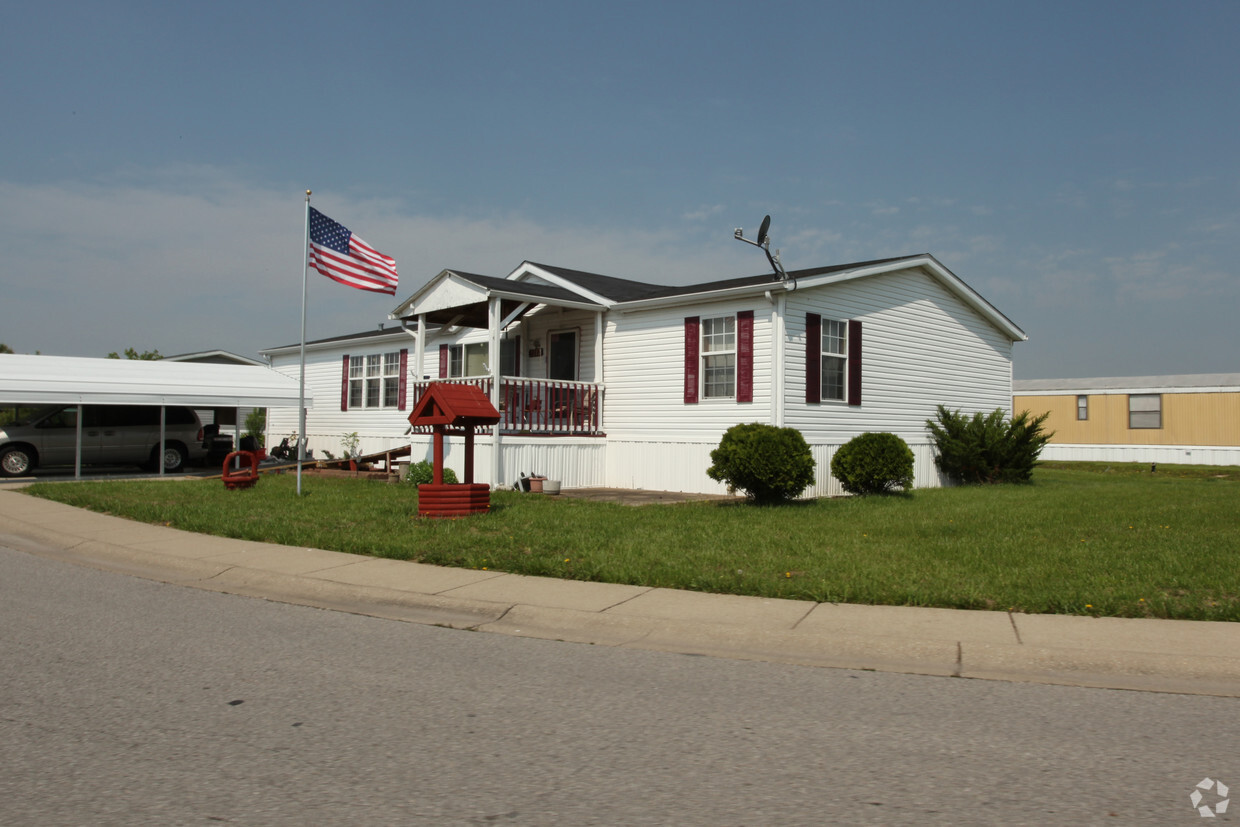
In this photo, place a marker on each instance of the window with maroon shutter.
(832, 360)
(813, 354)
(854, 362)
(344, 384)
(692, 328)
(744, 356)
(402, 403)
(443, 361)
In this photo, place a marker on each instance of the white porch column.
(419, 350)
(598, 363)
(493, 361)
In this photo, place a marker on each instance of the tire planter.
(453, 500)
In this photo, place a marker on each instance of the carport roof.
(69, 380)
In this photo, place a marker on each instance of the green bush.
(256, 424)
(769, 464)
(873, 463)
(423, 473)
(987, 449)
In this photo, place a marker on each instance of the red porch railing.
(541, 407)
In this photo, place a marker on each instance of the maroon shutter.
(692, 326)
(402, 386)
(854, 362)
(744, 356)
(813, 357)
(516, 362)
(344, 385)
(443, 361)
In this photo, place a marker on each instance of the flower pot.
(536, 484)
(551, 486)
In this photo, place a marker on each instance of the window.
(472, 359)
(1145, 410)
(834, 359)
(1082, 408)
(719, 357)
(375, 380)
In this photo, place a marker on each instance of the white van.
(111, 435)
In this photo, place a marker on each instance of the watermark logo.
(1219, 797)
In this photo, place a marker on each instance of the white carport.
(67, 380)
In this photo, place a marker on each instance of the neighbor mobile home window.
(374, 380)
(719, 357)
(834, 359)
(1145, 410)
(1082, 407)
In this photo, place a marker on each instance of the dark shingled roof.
(609, 287)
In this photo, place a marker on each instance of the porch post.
(493, 359)
(419, 350)
(598, 366)
(437, 475)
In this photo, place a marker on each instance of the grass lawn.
(1081, 539)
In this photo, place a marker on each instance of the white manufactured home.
(606, 382)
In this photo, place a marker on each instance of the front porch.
(536, 407)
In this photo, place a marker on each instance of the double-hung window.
(834, 360)
(1082, 408)
(1145, 410)
(374, 380)
(719, 357)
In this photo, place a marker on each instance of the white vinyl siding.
(379, 428)
(921, 346)
(645, 369)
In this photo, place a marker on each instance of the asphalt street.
(125, 701)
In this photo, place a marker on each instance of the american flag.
(340, 255)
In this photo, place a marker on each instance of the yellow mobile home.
(1188, 419)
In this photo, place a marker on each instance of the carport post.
(163, 417)
(77, 454)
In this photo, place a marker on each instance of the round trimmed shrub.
(423, 473)
(873, 463)
(769, 464)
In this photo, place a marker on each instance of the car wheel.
(174, 458)
(17, 460)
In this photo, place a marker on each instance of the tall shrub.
(987, 449)
(873, 463)
(769, 464)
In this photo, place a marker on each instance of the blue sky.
(1075, 162)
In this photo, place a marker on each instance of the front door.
(562, 356)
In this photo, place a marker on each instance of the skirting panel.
(1170, 454)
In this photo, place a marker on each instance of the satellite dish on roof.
(766, 225)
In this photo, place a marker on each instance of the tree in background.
(130, 353)
(256, 424)
(5, 348)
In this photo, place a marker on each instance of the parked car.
(111, 434)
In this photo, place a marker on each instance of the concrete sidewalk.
(1157, 655)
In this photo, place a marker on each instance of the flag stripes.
(341, 256)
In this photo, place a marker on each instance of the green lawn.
(1087, 539)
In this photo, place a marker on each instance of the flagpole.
(301, 384)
